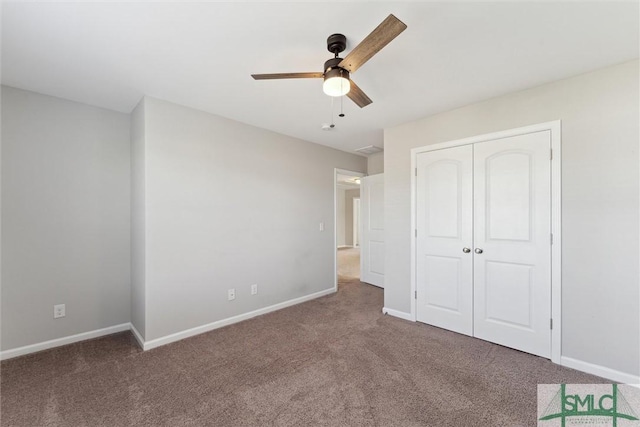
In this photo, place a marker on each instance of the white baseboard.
(601, 371)
(148, 345)
(396, 313)
(569, 362)
(138, 336)
(32, 348)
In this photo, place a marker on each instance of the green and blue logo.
(589, 408)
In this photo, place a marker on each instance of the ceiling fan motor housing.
(331, 69)
(336, 43)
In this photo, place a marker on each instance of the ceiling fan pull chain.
(341, 98)
(332, 125)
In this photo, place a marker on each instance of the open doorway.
(347, 203)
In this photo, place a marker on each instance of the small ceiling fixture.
(369, 149)
(337, 81)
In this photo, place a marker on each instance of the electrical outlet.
(59, 310)
(254, 289)
(322, 226)
(231, 294)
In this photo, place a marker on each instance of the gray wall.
(138, 230)
(348, 216)
(375, 164)
(65, 217)
(600, 212)
(229, 205)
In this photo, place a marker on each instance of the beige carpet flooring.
(334, 361)
(348, 263)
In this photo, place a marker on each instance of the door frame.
(337, 171)
(356, 226)
(555, 128)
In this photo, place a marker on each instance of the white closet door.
(512, 259)
(372, 238)
(444, 275)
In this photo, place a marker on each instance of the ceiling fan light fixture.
(336, 82)
(336, 70)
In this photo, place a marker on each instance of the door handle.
(466, 250)
(478, 251)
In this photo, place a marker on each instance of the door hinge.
(415, 171)
(415, 294)
(551, 238)
(551, 154)
(550, 323)
(415, 232)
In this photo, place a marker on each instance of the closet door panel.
(512, 235)
(444, 223)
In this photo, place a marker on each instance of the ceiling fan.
(336, 75)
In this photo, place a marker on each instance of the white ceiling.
(202, 54)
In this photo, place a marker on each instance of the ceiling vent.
(369, 149)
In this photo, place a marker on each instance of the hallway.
(348, 263)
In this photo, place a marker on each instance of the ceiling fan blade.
(388, 30)
(287, 76)
(358, 96)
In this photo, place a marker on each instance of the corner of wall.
(138, 221)
(375, 163)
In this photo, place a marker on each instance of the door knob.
(466, 250)
(478, 251)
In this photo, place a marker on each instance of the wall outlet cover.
(59, 310)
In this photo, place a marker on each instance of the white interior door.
(444, 262)
(512, 233)
(372, 237)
